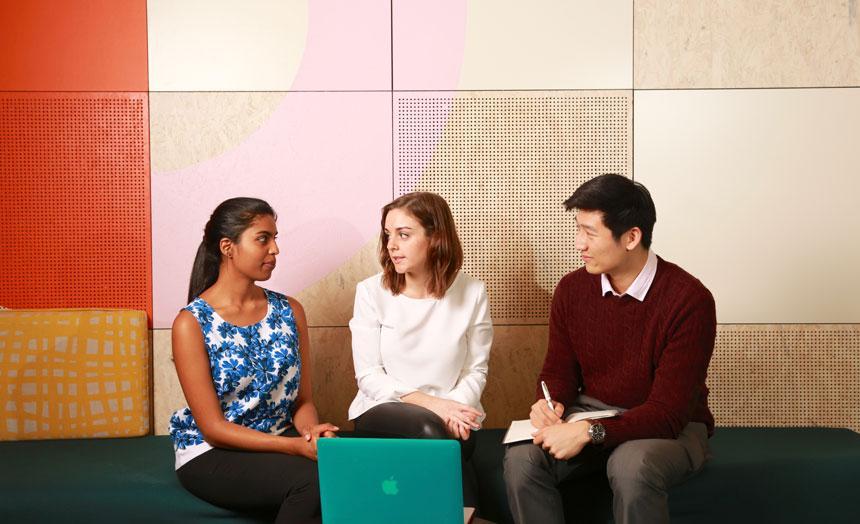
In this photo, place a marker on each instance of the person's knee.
(431, 427)
(634, 470)
(521, 463)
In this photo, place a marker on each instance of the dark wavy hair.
(445, 256)
(229, 220)
(625, 204)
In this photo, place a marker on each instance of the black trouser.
(274, 483)
(403, 420)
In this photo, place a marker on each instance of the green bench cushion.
(757, 475)
(104, 480)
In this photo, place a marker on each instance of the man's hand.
(541, 416)
(563, 441)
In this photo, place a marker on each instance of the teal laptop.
(371, 480)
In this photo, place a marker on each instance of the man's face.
(600, 251)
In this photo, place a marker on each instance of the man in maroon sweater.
(632, 332)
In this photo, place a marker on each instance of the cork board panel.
(786, 375)
(167, 393)
(515, 363)
(189, 128)
(329, 301)
(559, 44)
(736, 43)
(756, 195)
(505, 162)
(75, 205)
(334, 376)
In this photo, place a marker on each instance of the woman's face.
(408, 243)
(254, 254)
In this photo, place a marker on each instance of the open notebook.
(523, 430)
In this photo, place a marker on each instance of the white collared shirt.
(639, 288)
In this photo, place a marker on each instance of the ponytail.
(229, 220)
(204, 272)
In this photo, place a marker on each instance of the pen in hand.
(546, 395)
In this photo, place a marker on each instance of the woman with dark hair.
(247, 440)
(421, 332)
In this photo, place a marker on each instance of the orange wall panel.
(73, 45)
(75, 201)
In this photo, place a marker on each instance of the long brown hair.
(445, 254)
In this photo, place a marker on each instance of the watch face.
(597, 432)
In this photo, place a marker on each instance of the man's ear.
(226, 247)
(632, 238)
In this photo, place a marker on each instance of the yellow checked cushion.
(73, 373)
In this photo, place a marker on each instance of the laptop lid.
(390, 480)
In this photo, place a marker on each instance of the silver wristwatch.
(597, 433)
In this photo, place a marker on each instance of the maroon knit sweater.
(650, 357)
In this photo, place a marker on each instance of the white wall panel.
(511, 44)
(757, 195)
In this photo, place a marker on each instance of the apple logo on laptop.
(389, 487)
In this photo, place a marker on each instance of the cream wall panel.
(737, 43)
(756, 195)
(510, 44)
(219, 45)
(189, 128)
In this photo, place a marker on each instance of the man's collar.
(639, 288)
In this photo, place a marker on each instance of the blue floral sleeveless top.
(256, 371)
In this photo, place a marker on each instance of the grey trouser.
(640, 473)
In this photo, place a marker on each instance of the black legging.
(403, 420)
(256, 483)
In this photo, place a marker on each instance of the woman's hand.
(301, 447)
(460, 419)
(324, 429)
(319, 430)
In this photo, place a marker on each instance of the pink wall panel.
(323, 160)
(348, 46)
(429, 41)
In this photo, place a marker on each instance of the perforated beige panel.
(786, 375)
(506, 161)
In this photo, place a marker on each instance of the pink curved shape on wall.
(429, 43)
(348, 46)
(323, 160)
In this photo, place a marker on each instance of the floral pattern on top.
(256, 370)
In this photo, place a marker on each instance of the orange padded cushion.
(73, 374)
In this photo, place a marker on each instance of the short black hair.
(625, 204)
